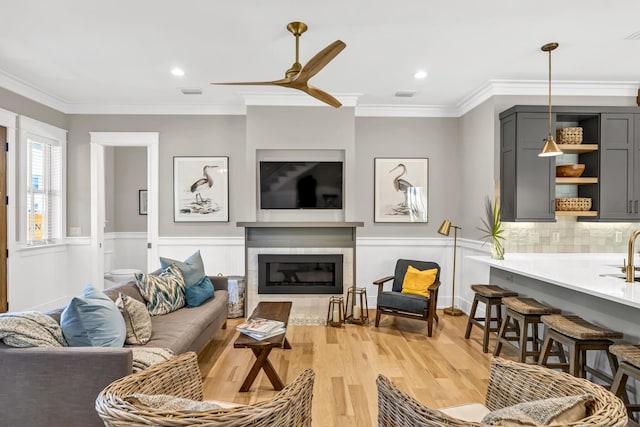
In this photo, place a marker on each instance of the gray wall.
(20, 105)
(130, 176)
(434, 138)
(179, 136)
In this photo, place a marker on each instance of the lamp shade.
(445, 227)
(550, 148)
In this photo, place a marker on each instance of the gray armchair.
(395, 303)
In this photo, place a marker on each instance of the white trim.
(201, 241)
(37, 127)
(78, 241)
(143, 109)
(98, 140)
(126, 235)
(295, 99)
(476, 97)
(8, 119)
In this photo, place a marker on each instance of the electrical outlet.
(618, 236)
(555, 237)
(75, 231)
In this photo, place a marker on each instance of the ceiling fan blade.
(320, 95)
(322, 58)
(281, 82)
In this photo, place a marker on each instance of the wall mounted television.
(301, 185)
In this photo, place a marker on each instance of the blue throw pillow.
(197, 294)
(93, 320)
(192, 268)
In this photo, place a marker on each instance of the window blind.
(44, 190)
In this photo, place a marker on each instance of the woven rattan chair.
(180, 377)
(509, 383)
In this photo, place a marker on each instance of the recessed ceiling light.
(420, 74)
(178, 72)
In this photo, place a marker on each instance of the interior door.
(3, 220)
(97, 214)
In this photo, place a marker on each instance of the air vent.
(405, 93)
(634, 36)
(191, 91)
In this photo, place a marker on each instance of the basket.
(573, 204)
(569, 135)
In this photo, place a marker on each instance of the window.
(43, 197)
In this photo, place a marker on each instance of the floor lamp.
(444, 230)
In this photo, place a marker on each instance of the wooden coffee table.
(273, 311)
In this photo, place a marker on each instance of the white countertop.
(591, 274)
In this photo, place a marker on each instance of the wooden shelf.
(578, 148)
(576, 213)
(579, 180)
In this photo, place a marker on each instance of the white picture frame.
(200, 189)
(401, 189)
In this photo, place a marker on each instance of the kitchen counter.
(582, 284)
(597, 275)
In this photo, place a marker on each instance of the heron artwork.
(204, 183)
(401, 185)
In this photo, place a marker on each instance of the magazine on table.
(261, 327)
(259, 337)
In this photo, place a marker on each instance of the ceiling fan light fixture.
(550, 147)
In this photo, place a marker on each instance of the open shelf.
(576, 213)
(579, 180)
(578, 148)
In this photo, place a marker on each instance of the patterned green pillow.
(163, 293)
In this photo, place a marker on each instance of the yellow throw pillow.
(417, 282)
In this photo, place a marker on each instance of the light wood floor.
(440, 371)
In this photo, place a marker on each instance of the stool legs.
(618, 387)
(472, 315)
(486, 327)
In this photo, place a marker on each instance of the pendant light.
(550, 147)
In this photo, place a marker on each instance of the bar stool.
(525, 312)
(491, 296)
(579, 336)
(629, 355)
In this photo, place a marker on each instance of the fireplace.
(300, 274)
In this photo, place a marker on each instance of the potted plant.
(492, 227)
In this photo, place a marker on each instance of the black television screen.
(300, 185)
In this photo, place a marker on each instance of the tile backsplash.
(568, 235)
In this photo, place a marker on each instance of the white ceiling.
(89, 56)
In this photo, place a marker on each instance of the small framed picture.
(200, 189)
(400, 189)
(142, 202)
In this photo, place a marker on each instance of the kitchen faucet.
(629, 268)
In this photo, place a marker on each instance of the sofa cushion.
(93, 320)
(30, 329)
(557, 411)
(199, 293)
(192, 268)
(136, 318)
(163, 293)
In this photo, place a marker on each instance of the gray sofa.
(58, 386)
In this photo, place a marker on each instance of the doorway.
(3, 221)
(100, 140)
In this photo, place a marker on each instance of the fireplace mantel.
(298, 224)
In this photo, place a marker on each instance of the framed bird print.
(201, 189)
(401, 189)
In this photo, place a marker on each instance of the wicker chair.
(509, 383)
(181, 377)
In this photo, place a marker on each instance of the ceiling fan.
(297, 77)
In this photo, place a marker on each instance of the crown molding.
(294, 99)
(483, 93)
(154, 109)
(389, 110)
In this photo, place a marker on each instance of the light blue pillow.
(93, 320)
(192, 268)
(197, 294)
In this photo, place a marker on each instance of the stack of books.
(260, 329)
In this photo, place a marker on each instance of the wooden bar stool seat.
(491, 296)
(579, 336)
(629, 358)
(524, 312)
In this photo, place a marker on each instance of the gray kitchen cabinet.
(527, 182)
(620, 167)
